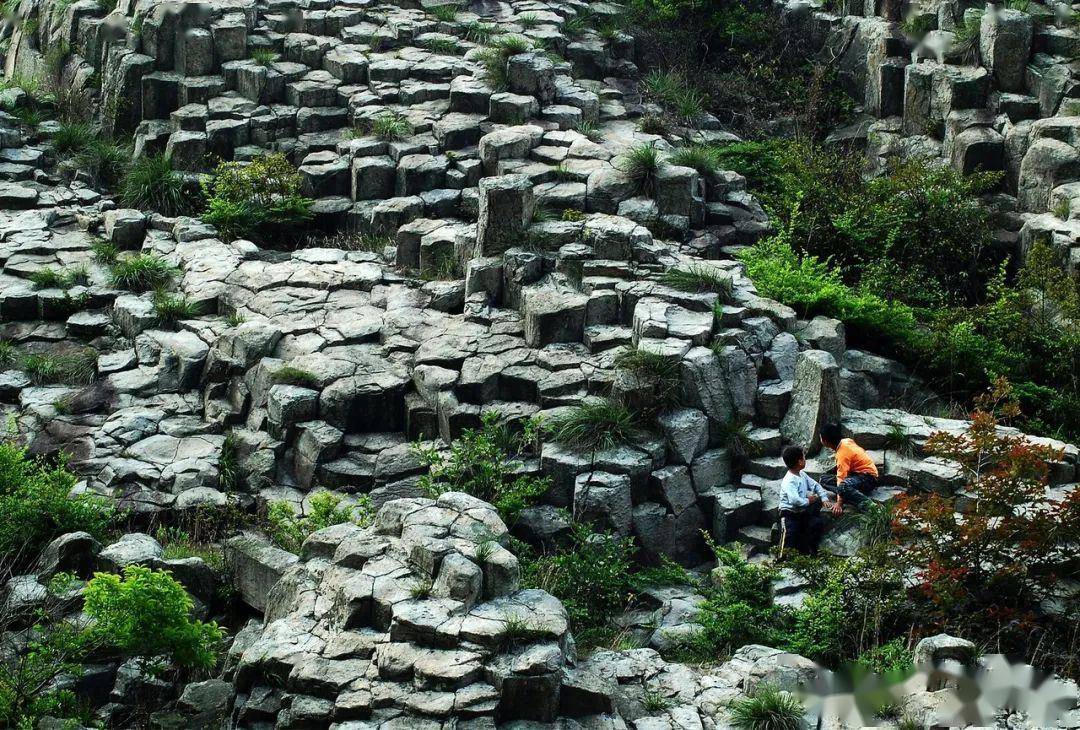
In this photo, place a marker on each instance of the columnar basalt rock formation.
(518, 262)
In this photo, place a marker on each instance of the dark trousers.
(854, 489)
(804, 528)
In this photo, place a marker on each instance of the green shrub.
(142, 273)
(9, 354)
(892, 659)
(485, 463)
(28, 688)
(35, 506)
(172, 308)
(768, 709)
(256, 198)
(640, 166)
(147, 613)
(593, 426)
(151, 183)
(494, 65)
(288, 531)
(592, 577)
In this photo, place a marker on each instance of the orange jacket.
(852, 459)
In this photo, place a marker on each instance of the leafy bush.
(145, 272)
(593, 426)
(147, 613)
(989, 572)
(768, 709)
(35, 506)
(486, 463)
(288, 531)
(28, 689)
(254, 198)
(592, 577)
(151, 183)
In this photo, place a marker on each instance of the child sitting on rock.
(856, 474)
(801, 500)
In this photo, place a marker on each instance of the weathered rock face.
(418, 618)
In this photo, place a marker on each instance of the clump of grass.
(421, 589)
(145, 272)
(104, 160)
(573, 215)
(446, 267)
(1062, 209)
(264, 56)
(899, 440)
(663, 85)
(542, 214)
(445, 13)
(289, 375)
(654, 701)
(701, 157)
(640, 166)
(235, 319)
(967, 36)
(443, 46)
(528, 21)
(151, 183)
(9, 354)
(105, 252)
(69, 368)
(47, 278)
(493, 64)
(654, 124)
(562, 174)
(594, 425)
(589, 130)
(228, 464)
(71, 137)
(173, 308)
(660, 371)
(62, 406)
(390, 126)
(480, 33)
(512, 45)
(697, 278)
(575, 26)
(516, 629)
(690, 105)
(767, 709)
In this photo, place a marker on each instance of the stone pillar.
(1004, 45)
(815, 399)
(506, 210)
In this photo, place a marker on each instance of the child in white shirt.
(801, 500)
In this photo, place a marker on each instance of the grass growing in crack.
(494, 65)
(145, 272)
(660, 371)
(289, 375)
(9, 354)
(690, 105)
(443, 46)
(104, 160)
(528, 21)
(593, 426)
(767, 709)
(512, 45)
(152, 183)
(47, 278)
(653, 701)
(654, 124)
(71, 137)
(562, 174)
(701, 157)
(171, 309)
(516, 629)
(421, 589)
(69, 368)
(105, 252)
(697, 278)
(264, 56)
(389, 127)
(480, 33)
(640, 166)
(575, 26)
(444, 13)
(900, 441)
(235, 319)
(228, 464)
(663, 85)
(589, 130)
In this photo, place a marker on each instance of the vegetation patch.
(256, 198)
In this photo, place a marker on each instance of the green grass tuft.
(767, 709)
(640, 166)
(69, 368)
(173, 308)
(151, 183)
(264, 56)
(445, 13)
(145, 272)
(593, 426)
(701, 157)
(71, 138)
(289, 375)
(697, 278)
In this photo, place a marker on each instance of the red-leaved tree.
(996, 562)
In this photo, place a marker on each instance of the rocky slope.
(477, 304)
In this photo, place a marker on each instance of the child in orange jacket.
(856, 474)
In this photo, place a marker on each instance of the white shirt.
(794, 489)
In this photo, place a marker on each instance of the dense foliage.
(36, 506)
(909, 263)
(147, 613)
(288, 530)
(486, 463)
(256, 198)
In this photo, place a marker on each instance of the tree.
(988, 568)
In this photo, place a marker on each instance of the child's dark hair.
(830, 434)
(791, 456)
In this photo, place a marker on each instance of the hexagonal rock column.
(815, 399)
(506, 209)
